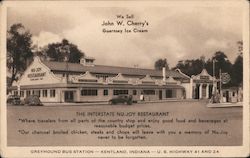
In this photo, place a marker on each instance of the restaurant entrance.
(69, 96)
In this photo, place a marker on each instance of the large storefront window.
(52, 93)
(89, 92)
(37, 92)
(118, 92)
(170, 93)
(149, 92)
(134, 92)
(22, 93)
(27, 93)
(45, 92)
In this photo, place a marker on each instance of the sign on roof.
(37, 73)
(202, 77)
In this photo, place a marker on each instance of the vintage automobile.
(14, 100)
(124, 99)
(33, 100)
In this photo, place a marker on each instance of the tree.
(240, 47)
(237, 69)
(191, 67)
(19, 50)
(160, 63)
(63, 51)
(221, 63)
(237, 72)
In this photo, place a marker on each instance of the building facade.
(87, 82)
(203, 85)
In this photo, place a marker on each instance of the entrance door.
(204, 91)
(68, 96)
(227, 96)
(210, 91)
(197, 92)
(160, 94)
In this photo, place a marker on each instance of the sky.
(175, 33)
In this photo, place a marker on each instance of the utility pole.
(67, 51)
(214, 78)
(213, 68)
(67, 70)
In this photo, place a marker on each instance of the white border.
(225, 151)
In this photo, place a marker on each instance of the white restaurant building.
(87, 82)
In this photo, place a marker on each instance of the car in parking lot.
(124, 99)
(33, 100)
(14, 100)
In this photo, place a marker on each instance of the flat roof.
(103, 69)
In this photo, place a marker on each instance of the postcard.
(124, 78)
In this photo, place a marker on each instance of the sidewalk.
(224, 105)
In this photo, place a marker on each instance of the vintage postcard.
(125, 78)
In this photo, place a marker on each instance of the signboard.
(225, 78)
(36, 74)
(204, 77)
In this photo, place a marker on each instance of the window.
(168, 93)
(117, 92)
(88, 80)
(89, 92)
(224, 94)
(33, 92)
(149, 92)
(104, 77)
(105, 92)
(52, 93)
(22, 93)
(15, 92)
(36, 92)
(45, 92)
(27, 93)
(134, 92)
(119, 81)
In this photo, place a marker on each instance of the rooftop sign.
(36, 74)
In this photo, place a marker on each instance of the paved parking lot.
(223, 125)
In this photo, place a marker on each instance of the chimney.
(164, 74)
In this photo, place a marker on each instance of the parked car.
(14, 100)
(124, 99)
(33, 100)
